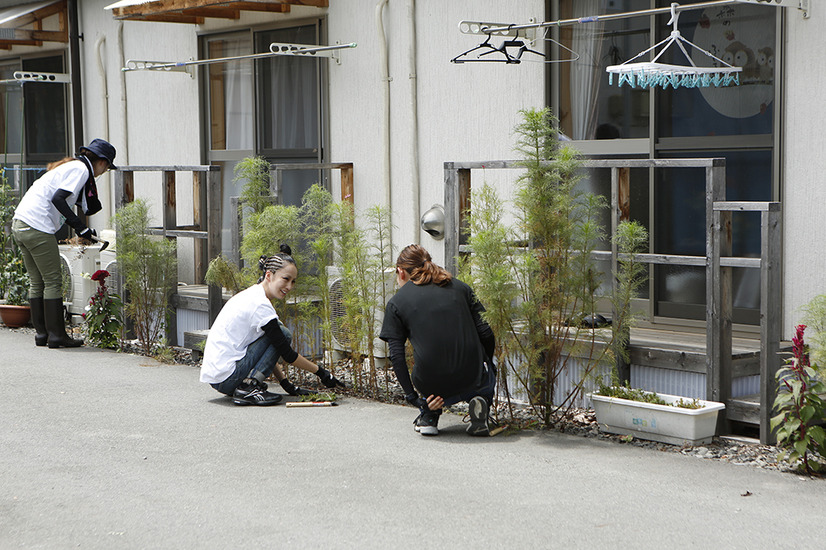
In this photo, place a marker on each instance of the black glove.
(328, 379)
(292, 389)
(416, 401)
(88, 234)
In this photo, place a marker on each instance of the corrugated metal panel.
(190, 320)
(674, 382)
(746, 385)
(566, 382)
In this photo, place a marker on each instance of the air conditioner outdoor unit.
(75, 262)
(338, 312)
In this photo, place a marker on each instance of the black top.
(445, 328)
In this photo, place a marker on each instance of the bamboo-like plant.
(536, 278)
(148, 264)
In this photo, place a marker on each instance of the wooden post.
(718, 291)
(200, 218)
(213, 202)
(347, 183)
(124, 188)
(237, 227)
(451, 217)
(620, 201)
(771, 315)
(170, 222)
(464, 205)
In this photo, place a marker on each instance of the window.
(45, 112)
(271, 107)
(736, 122)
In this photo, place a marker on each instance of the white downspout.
(414, 130)
(104, 92)
(385, 77)
(125, 142)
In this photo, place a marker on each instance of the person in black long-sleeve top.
(452, 344)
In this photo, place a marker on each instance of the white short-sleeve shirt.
(239, 324)
(36, 209)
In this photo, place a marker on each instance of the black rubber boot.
(38, 321)
(56, 325)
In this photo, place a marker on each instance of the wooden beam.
(166, 19)
(39, 15)
(45, 36)
(172, 6)
(257, 6)
(217, 13)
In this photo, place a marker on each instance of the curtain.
(586, 73)
(238, 97)
(293, 121)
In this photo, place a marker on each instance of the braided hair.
(275, 262)
(416, 261)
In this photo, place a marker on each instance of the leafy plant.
(256, 192)
(13, 278)
(800, 408)
(815, 320)
(223, 273)
(149, 267)
(535, 276)
(14, 283)
(103, 318)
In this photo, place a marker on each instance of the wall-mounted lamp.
(433, 222)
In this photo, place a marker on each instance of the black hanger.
(490, 48)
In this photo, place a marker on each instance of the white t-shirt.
(36, 209)
(238, 325)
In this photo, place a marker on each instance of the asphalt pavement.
(100, 449)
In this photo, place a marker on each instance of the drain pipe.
(385, 77)
(104, 92)
(74, 70)
(125, 142)
(414, 112)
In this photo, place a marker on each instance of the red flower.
(100, 275)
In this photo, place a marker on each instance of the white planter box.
(663, 423)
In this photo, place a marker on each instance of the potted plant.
(14, 283)
(15, 310)
(622, 410)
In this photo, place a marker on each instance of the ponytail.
(416, 261)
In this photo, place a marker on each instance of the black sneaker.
(253, 392)
(427, 424)
(478, 409)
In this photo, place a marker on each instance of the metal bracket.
(29, 76)
(170, 66)
(480, 27)
(281, 48)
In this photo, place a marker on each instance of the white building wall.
(804, 164)
(465, 112)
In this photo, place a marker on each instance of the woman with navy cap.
(42, 210)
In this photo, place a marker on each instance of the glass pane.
(289, 93)
(680, 229)
(598, 182)
(45, 110)
(230, 95)
(11, 111)
(590, 108)
(740, 35)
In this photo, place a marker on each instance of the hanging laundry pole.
(501, 29)
(276, 48)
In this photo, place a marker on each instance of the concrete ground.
(106, 450)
